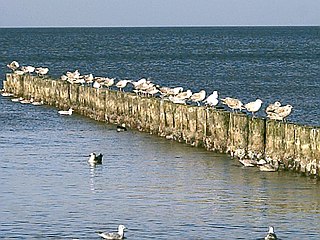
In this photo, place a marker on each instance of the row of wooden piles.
(296, 147)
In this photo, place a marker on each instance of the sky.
(142, 13)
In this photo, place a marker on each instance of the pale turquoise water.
(159, 189)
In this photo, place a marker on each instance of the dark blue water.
(271, 63)
(159, 189)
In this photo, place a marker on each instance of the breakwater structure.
(296, 147)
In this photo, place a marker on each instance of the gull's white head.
(215, 94)
(271, 229)
(121, 229)
(277, 104)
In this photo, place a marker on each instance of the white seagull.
(269, 166)
(233, 103)
(184, 95)
(69, 112)
(281, 113)
(19, 72)
(28, 69)
(14, 65)
(6, 94)
(198, 97)
(96, 85)
(272, 107)
(248, 162)
(122, 84)
(17, 99)
(164, 91)
(271, 234)
(113, 236)
(137, 83)
(41, 71)
(176, 90)
(73, 75)
(64, 78)
(181, 97)
(25, 101)
(108, 82)
(88, 78)
(152, 91)
(212, 100)
(253, 107)
(38, 103)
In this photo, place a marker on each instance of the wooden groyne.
(296, 147)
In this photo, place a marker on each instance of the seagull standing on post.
(253, 107)
(212, 100)
(233, 103)
(122, 84)
(14, 65)
(198, 97)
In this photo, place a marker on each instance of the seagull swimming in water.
(253, 107)
(17, 99)
(121, 128)
(271, 166)
(271, 235)
(6, 94)
(248, 162)
(69, 112)
(25, 101)
(114, 236)
(95, 159)
(37, 103)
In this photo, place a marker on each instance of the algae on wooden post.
(238, 132)
(154, 116)
(275, 135)
(280, 141)
(315, 143)
(178, 123)
(256, 138)
(201, 126)
(162, 118)
(217, 130)
(189, 124)
(303, 152)
(289, 142)
(74, 91)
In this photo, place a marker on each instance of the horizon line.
(159, 26)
